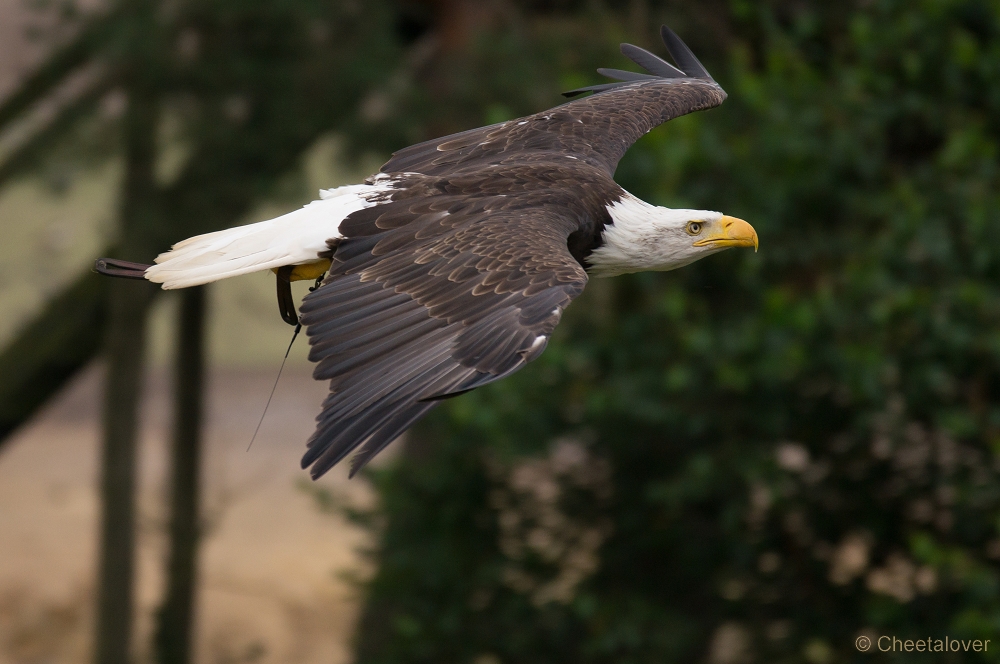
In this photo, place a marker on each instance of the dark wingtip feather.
(689, 66)
(651, 63)
(622, 75)
(600, 87)
(389, 432)
(682, 55)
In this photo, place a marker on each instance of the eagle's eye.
(694, 228)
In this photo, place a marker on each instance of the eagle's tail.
(292, 239)
(252, 248)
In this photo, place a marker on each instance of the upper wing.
(596, 129)
(431, 296)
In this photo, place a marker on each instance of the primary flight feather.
(450, 268)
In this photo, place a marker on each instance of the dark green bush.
(757, 456)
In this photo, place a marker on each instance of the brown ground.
(272, 564)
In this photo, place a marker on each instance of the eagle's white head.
(645, 237)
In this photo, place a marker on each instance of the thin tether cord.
(295, 334)
(275, 386)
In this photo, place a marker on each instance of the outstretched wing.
(596, 129)
(431, 296)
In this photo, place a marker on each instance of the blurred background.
(758, 458)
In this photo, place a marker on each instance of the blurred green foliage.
(757, 456)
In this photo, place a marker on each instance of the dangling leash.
(287, 307)
(112, 267)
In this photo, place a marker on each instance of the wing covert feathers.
(429, 296)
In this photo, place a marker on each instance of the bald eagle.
(450, 268)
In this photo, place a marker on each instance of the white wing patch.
(291, 239)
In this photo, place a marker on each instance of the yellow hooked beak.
(728, 232)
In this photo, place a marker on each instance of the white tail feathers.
(291, 239)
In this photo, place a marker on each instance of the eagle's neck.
(645, 237)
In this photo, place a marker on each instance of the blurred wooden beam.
(128, 309)
(175, 619)
(30, 152)
(60, 65)
(50, 349)
(125, 346)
